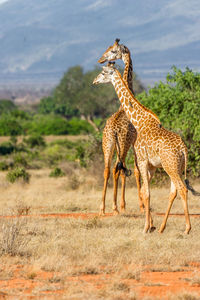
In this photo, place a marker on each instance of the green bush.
(65, 143)
(56, 125)
(35, 141)
(177, 104)
(6, 148)
(78, 126)
(6, 106)
(53, 154)
(57, 172)
(19, 160)
(81, 155)
(9, 126)
(4, 166)
(17, 173)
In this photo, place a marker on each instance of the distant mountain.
(40, 40)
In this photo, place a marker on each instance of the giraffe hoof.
(161, 230)
(152, 229)
(101, 213)
(145, 231)
(115, 212)
(187, 230)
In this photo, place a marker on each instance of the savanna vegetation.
(45, 179)
(77, 107)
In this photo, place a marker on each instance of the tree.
(177, 103)
(46, 105)
(76, 96)
(6, 106)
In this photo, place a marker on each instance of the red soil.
(32, 282)
(85, 215)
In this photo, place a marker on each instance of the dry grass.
(95, 246)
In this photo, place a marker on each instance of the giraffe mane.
(140, 104)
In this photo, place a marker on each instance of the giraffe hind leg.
(177, 186)
(123, 186)
(172, 196)
(115, 187)
(106, 177)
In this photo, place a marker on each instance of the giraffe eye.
(112, 51)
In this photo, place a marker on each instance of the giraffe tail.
(190, 188)
(187, 183)
(120, 166)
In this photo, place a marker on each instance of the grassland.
(85, 256)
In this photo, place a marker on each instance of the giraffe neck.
(138, 114)
(128, 70)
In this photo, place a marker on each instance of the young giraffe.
(155, 147)
(119, 134)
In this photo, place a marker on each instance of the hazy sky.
(2, 1)
(53, 35)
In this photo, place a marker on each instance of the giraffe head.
(106, 75)
(114, 52)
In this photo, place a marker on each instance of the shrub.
(6, 106)
(6, 148)
(13, 241)
(35, 141)
(20, 160)
(78, 126)
(74, 182)
(9, 126)
(56, 125)
(47, 125)
(57, 172)
(65, 143)
(177, 103)
(17, 173)
(4, 166)
(53, 154)
(81, 155)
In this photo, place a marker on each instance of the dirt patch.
(88, 215)
(87, 257)
(30, 281)
(146, 281)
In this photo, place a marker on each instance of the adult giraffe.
(155, 147)
(119, 134)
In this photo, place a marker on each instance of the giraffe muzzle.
(102, 60)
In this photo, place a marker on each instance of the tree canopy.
(75, 95)
(177, 103)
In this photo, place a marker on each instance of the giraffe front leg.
(172, 196)
(143, 167)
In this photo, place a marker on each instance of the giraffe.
(155, 147)
(119, 134)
